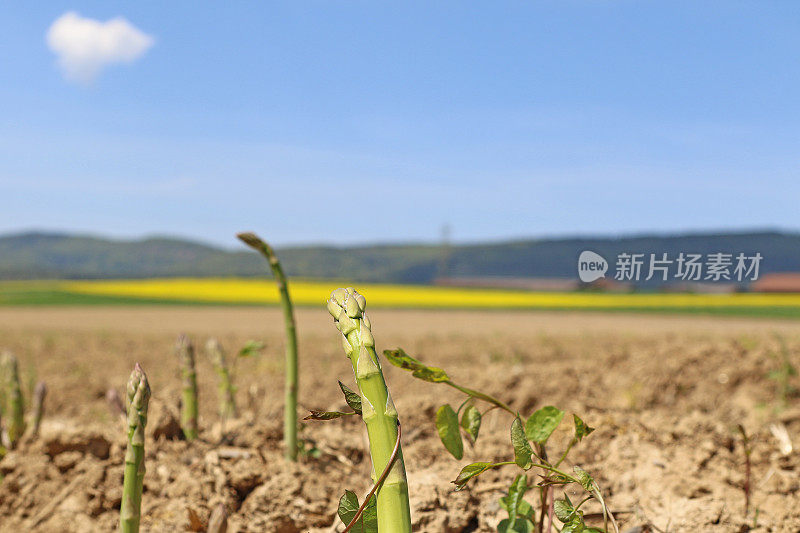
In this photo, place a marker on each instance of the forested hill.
(56, 256)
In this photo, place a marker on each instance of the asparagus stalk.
(218, 521)
(290, 407)
(39, 393)
(378, 410)
(185, 350)
(227, 393)
(137, 399)
(15, 408)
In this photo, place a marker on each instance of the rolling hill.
(66, 256)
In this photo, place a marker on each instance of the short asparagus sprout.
(14, 408)
(377, 410)
(37, 408)
(185, 350)
(218, 521)
(115, 405)
(528, 440)
(290, 408)
(227, 392)
(137, 399)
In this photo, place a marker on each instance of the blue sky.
(345, 122)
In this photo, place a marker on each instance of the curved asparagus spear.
(137, 399)
(185, 350)
(378, 411)
(290, 407)
(15, 413)
(227, 400)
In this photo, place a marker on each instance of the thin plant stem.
(481, 396)
(377, 485)
(566, 452)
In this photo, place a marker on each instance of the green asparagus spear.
(137, 399)
(39, 393)
(185, 350)
(290, 407)
(378, 410)
(15, 408)
(227, 392)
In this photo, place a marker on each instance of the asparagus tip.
(250, 239)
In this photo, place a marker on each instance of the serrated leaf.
(401, 359)
(541, 424)
(447, 426)
(348, 507)
(515, 493)
(470, 471)
(351, 397)
(522, 448)
(325, 415)
(520, 525)
(581, 429)
(471, 421)
(251, 348)
(583, 477)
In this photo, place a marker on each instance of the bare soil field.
(665, 393)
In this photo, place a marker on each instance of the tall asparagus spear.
(15, 408)
(137, 399)
(227, 392)
(185, 350)
(378, 411)
(39, 393)
(290, 407)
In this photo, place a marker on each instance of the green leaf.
(520, 525)
(581, 429)
(515, 493)
(325, 415)
(348, 507)
(583, 477)
(542, 423)
(522, 448)
(352, 398)
(401, 359)
(525, 509)
(563, 509)
(471, 421)
(447, 426)
(251, 348)
(470, 471)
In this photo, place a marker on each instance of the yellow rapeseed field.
(251, 291)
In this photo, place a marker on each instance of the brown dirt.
(665, 393)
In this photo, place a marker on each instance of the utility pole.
(445, 252)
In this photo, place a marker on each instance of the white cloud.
(85, 46)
